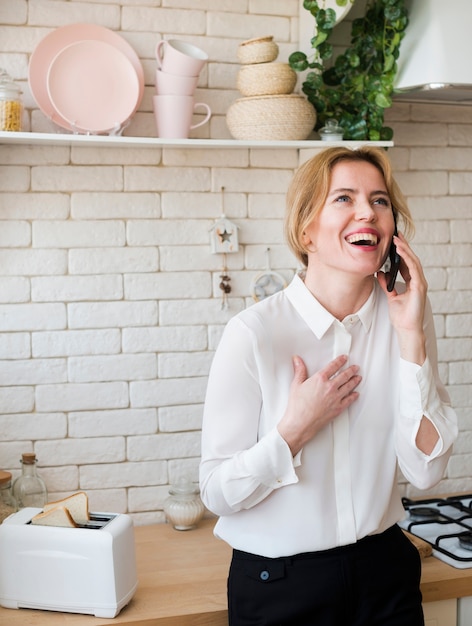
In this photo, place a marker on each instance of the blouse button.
(264, 575)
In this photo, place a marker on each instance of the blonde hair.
(309, 188)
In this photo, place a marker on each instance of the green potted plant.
(357, 86)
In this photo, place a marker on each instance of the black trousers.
(374, 582)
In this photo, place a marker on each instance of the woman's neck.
(340, 295)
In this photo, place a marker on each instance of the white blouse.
(342, 486)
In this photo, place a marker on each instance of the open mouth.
(363, 239)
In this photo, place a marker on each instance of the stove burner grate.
(465, 540)
(444, 523)
(424, 514)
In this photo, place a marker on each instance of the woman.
(315, 396)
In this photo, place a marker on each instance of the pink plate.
(93, 86)
(59, 39)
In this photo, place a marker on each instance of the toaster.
(89, 569)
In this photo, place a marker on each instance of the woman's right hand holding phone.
(407, 307)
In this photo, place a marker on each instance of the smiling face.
(353, 231)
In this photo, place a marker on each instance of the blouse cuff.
(271, 461)
(419, 398)
(418, 392)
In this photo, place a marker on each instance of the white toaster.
(90, 569)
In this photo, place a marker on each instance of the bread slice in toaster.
(76, 504)
(59, 516)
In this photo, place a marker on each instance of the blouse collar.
(317, 317)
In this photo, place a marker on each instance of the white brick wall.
(109, 302)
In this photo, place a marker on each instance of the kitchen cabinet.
(182, 582)
(61, 139)
(443, 613)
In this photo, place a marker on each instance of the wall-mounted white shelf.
(101, 141)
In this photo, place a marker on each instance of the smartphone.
(394, 263)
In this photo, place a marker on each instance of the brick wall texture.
(110, 307)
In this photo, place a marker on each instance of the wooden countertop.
(182, 582)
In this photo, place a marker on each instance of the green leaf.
(325, 50)
(354, 60)
(313, 80)
(316, 66)
(386, 133)
(357, 83)
(331, 77)
(383, 101)
(392, 13)
(357, 131)
(326, 19)
(389, 62)
(298, 61)
(311, 5)
(396, 39)
(318, 39)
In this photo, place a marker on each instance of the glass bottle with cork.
(29, 489)
(7, 501)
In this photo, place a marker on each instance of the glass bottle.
(11, 108)
(29, 489)
(184, 508)
(7, 501)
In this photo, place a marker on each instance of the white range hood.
(435, 63)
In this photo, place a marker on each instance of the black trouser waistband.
(365, 542)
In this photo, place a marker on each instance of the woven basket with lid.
(278, 118)
(258, 50)
(265, 79)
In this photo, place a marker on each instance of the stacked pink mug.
(178, 68)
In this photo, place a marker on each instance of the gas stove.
(446, 524)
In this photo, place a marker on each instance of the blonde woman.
(316, 396)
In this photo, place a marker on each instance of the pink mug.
(179, 57)
(174, 84)
(173, 115)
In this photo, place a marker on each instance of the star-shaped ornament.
(224, 236)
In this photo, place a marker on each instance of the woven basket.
(266, 79)
(279, 118)
(259, 50)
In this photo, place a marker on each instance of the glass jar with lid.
(11, 108)
(332, 131)
(7, 501)
(184, 508)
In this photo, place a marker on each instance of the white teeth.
(368, 237)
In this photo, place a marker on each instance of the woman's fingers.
(334, 366)
(330, 386)
(316, 400)
(410, 267)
